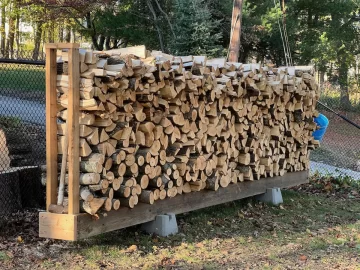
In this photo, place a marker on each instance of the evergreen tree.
(195, 29)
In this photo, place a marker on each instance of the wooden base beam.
(76, 227)
(58, 226)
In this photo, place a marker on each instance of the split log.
(175, 125)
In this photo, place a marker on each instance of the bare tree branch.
(166, 16)
(149, 4)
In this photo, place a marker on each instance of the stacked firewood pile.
(154, 126)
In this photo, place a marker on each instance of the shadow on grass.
(242, 233)
(312, 231)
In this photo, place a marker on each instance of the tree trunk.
(51, 32)
(68, 34)
(91, 26)
(2, 29)
(244, 54)
(235, 31)
(17, 38)
(73, 35)
(344, 86)
(107, 43)
(38, 36)
(322, 77)
(61, 33)
(101, 43)
(114, 42)
(11, 33)
(158, 30)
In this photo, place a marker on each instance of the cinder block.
(272, 195)
(163, 225)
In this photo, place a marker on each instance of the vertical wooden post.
(51, 128)
(73, 131)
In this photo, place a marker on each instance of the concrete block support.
(272, 195)
(163, 225)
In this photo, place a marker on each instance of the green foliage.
(18, 78)
(323, 33)
(342, 184)
(195, 29)
(126, 21)
(331, 95)
(4, 256)
(9, 122)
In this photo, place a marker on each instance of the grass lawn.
(22, 77)
(309, 231)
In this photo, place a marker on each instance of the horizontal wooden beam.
(76, 227)
(59, 46)
(142, 213)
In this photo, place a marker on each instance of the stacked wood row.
(155, 126)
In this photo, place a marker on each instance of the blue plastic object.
(322, 123)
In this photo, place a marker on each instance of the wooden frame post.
(73, 131)
(51, 128)
(72, 126)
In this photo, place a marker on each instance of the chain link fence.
(8, 55)
(339, 153)
(22, 131)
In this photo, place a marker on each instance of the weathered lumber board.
(75, 227)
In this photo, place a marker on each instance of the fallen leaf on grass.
(10, 254)
(168, 262)
(303, 258)
(199, 245)
(131, 249)
(328, 187)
